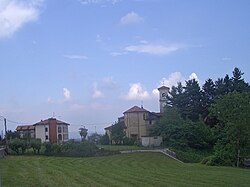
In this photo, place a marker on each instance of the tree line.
(212, 120)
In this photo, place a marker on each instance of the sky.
(85, 62)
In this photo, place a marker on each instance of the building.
(163, 93)
(49, 130)
(26, 131)
(138, 121)
(52, 130)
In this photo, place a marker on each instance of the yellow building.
(138, 121)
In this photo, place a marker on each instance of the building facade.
(139, 121)
(163, 97)
(52, 130)
(49, 130)
(26, 131)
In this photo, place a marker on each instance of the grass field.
(121, 147)
(135, 169)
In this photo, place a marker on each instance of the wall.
(151, 141)
(53, 130)
(40, 132)
(136, 124)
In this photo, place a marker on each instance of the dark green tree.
(105, 139)
(193, 106)
(12, 135)
(170, 128)
(233, 111)
(180, 133)
(118, 133)
(238, 82)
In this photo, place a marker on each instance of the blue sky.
(88, 61)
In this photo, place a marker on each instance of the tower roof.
(163, 88)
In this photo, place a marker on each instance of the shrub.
(71, 149)
(18, 145)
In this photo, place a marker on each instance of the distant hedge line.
(73, 149)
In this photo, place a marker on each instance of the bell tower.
(163, 91)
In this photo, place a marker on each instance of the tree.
(18, 144)
(169, 127)
(95, 138)
(238, 82)
(83, 133)
(104, 139)
(193, 107)
(12, 135)
(118, 133)
(36, 145)
(233, 110)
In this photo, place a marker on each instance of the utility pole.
(5, 127)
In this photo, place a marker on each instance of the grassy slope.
(121, 147)
(137, 169)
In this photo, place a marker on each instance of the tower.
(163, 91)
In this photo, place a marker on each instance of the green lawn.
(135, 169)
(121, 147)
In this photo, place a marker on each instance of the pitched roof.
(135, 109)
(43, 122)
(163, 88)
(25, 127)
(110, 127)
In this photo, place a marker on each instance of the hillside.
(135, 169)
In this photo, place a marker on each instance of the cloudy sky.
(87, 61)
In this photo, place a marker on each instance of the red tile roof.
(25, 127)
(43, 122)
(135, 109)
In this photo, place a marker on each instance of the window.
(46, 129)
(65, 129)
(150, 122)
(46, 137)
(65, 136)
(59, 129)
(59, 137)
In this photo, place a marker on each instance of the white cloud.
(98, 38)
(131, 18)
(76, 57)
(114, 54)
(170, 81)
(193, 76)
(109, 83)
(144, 42)
(50, 100)
(226, 58)
(66, 94)
(155, 92)
(173, 79)
(154, 49)
(136, 92)
(16, 13)
(86, 2)
(96, 92)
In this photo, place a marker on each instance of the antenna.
(163, 82)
